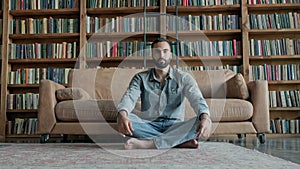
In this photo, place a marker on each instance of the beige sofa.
(88, 104)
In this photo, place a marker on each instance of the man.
(162, 91)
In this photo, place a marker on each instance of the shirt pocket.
(174, 95)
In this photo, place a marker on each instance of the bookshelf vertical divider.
(245, 39)
(4, 67)
(162, 19)
(83, 38)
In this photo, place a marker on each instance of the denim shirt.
(163, 101)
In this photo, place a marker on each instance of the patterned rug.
(87, 155)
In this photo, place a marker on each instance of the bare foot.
(189, 144)
(134, 143)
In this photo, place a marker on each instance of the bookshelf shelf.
(66, 12)
(186, 10)
(284, 82)
(274, 33)
(118, 61)
(280, 59)
(296, 109)
(49, 37)
(284, 85)
(117, 36)
(271, 8)
(16, 86)
(43, 61)
(23, 85)
(111, 12)
(183, 61)
(65, 63)
(206, 34)
(22, 111)
(284, 113)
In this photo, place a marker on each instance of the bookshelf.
(226, 27)
(41, 41)
(276, 27)
(2, 119)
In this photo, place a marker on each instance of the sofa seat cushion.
(71, 94)
(230, 110)
(86, 110)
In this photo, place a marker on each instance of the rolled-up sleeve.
(194, 95)
(131, 95)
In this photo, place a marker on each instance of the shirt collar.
(170, 74)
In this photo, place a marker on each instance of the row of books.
(201, 2)
(120, 3)
(236, 69)
(151, 23)
(43, 51)
(288, 98)
(285, 126)
(58, 4)
(185, 48)
(273, 1)
(25, 101)
(122, 24)
(117, 49)
(34, 75)
(270, 47)
(274, 72)
(274, 20)
(207, 48)
(203, 22)
(45, 25)
(42, 4)
(22, 126)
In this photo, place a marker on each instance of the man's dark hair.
(160, 40)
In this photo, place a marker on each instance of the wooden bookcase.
(2, 115)
(242, 34)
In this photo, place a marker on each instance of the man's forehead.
(162, 45)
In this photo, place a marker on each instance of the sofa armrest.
(47, 102)
(259, 98)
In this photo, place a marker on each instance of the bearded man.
(162, 91)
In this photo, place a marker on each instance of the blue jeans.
(165, 133)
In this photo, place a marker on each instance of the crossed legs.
(163, 134)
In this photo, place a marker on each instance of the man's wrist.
(204, 116)
(123, 113)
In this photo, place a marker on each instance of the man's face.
(161, 54)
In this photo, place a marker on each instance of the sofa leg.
(65, 138)
(44, 138)
(261, 137)
(241, 136)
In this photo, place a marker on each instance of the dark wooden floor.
(285, 147)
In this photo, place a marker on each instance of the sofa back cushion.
(237, 87)
(212, 83)
(112, 83)
(102, 83)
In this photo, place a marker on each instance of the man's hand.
(124, 124)
(204, 127)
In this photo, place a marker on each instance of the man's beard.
(160, 64)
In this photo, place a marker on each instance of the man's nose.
(161, 53)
